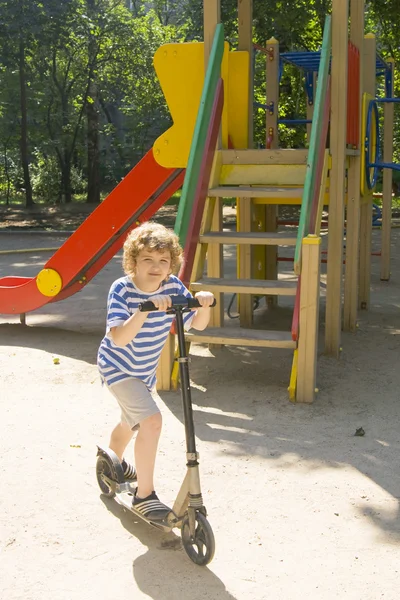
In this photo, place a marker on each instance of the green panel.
(200, 135)
(315, 142)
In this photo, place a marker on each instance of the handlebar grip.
(177, 302)
(147, 306)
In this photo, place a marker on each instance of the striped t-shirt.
(140, 357)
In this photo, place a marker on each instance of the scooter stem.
(186, 393)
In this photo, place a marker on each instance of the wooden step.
(246, 286)
(287, 156)
(255, 238)
(228, 191)
(242, 337)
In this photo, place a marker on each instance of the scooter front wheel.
(200, 548)
(104, 469)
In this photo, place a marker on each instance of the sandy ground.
(300, 506)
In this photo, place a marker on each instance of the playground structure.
(209, 149)
(338, 172)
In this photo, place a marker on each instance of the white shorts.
(135, 400)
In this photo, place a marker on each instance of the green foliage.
(93, 102)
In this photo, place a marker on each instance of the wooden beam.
(243, 207)
(272, 141)
(245, 25)
(366, 206)
(333, 320)
(388, 128)
(350, 304)
(288, 156)
(310, 108)
(309, 319)
(211, 18)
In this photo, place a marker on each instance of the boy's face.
(152, 267)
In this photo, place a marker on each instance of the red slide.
(139, 195)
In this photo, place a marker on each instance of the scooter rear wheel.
(104, 467)
(200, 549)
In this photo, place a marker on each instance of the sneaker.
(150, 507)
(129, 471)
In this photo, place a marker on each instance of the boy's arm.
(125, 333)
(202, 315)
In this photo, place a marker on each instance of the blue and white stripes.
(140, 357)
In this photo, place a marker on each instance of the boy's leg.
(121, 435)
(146, 445)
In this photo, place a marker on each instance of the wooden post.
(388, 126)
(333, 319)
(165, 365)
(309, 319)
(366, 206)
(350, 305)
(244, 205)
(245, 20)
(272, 134)
(212, 16)
(310, 106)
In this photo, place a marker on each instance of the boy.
(130, 351)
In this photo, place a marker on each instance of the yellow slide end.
(49, 282)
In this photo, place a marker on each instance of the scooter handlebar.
(178, 301)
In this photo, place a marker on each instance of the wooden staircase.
(256, 170)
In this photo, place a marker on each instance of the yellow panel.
(277, 175)
(180, 70)
(49, 282)
(238, 99)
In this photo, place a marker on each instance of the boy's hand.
(205, 299)
(161, 302)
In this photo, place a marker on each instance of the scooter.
(188, 512)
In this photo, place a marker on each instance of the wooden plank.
(279, 174)
(271, 252)
(244, 209)
(242, 337)
(366, 206)
(255, 192)
(309, 319)
(310, 108)
(211, 80)
(333, 320)
(245, 302)
(280, 238)
(388, 128)
(276, 175)
(247, 286)
(350, 302)
(215, 265)
(245, 43)
(211, 18)
(272, 88)
(309, 183)
(265, 157)
(192, 238)
(164, 368)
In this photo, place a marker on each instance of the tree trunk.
(7, 174)
(66, 189)
(92, 113)
(24, 126)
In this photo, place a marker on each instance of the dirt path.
(300, 507)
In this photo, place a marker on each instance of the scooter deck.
(125, 500)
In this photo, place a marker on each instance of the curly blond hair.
(152, 237)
